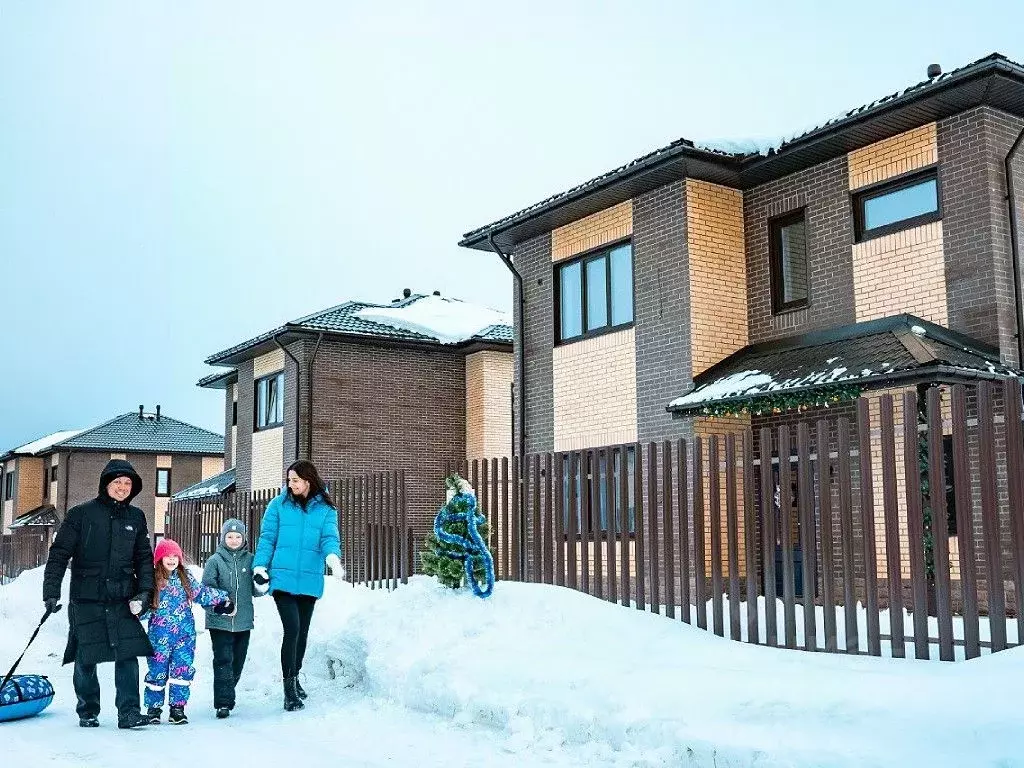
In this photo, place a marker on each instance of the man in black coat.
(106, 541)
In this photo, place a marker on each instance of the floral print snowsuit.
(172, 632)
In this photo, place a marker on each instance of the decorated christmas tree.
(456, 552)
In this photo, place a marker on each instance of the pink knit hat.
(167, 547)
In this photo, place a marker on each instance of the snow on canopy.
(45, 443)
(450, 321)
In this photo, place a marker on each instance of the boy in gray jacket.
(230, 569)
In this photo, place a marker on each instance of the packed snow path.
(536, 676)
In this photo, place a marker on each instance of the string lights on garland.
(782, 402)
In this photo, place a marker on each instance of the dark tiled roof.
(496, 333)
(871, 354)
(44, 515)
(220, 377)
(130, 434)
(344, 319)
(735, 162)
(210, 487)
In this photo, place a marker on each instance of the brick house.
(49, 476)
(363, 387)
(880, 243)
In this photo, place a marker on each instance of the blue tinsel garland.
(474, 547)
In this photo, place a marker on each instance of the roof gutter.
(520, 334)
(1018, 289)
(298, 369)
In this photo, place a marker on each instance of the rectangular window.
(46, 484)
(900, 204)
(788, 262)
(594, 516)
(53, 474)
(270, 401)
(234, 413)
(595, 293)
(9, 486)
(163, 482)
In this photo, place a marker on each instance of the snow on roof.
(44, 443)
(450, 321)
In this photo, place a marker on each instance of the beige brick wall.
(592, 232)
(893, 157)
(54, 462)
(269, 363)
(488, 404)
(901, 272)
(212, 465)
(718, 279)
(121, 456)
(160, 504)
(594, 391)
(30, 485)
(164, 462)
(267, 459)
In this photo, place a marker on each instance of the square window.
(900, 204)
(163, 482)
(270, 401)
(788, 262)
(595, 293)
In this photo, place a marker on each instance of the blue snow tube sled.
(24, 696)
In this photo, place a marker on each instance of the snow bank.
(550, 665)
(450, 321)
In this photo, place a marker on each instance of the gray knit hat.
(233, 525)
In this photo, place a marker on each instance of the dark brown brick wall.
(979, 271)
(533, 260)
(185, 471)
(243, 449)
(824, 191)
(385, 408)
(661, 310)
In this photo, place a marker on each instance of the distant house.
(43, 479)
(362, 387)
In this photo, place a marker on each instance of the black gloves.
(260, 578)
(52, 604)
(224, 609)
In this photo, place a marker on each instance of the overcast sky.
(177, 177)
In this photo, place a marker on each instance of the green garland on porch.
(780, 402)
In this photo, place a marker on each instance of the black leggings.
(296, 612)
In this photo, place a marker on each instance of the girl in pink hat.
(172, 631)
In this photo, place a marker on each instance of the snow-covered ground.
(535, 676)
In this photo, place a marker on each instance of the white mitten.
(261, 580)
(334, 563)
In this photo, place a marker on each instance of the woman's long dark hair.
(308, 472)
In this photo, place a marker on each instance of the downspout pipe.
(520, 346)
(1018, 279)
(298, 371)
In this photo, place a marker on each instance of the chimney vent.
(140, 412)
(934, 70)
(437, 293)
(406, 293)
(158, 412)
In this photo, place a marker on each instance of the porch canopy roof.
(893, 351)
(46, 515)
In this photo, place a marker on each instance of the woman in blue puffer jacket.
(299, 534)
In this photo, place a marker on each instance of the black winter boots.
(292, 702)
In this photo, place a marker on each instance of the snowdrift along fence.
(847, 517)
(377, 541)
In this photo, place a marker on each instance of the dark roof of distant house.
(994, 80)
(345, 320)
(211, 487)
(45, 515)
(871, 355)
(129, 433)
